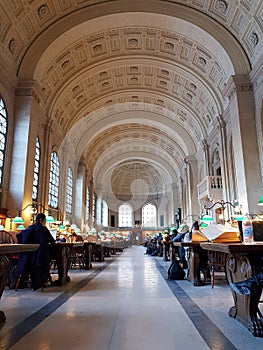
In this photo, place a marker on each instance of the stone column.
(176, 199)
(241, 105)
(224, 159)
(191, 183)
(21, 173)
(79, 195)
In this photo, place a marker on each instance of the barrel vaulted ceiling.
(135, 86)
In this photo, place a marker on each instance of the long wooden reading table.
(243, 261)
(5, 251)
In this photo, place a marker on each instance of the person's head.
(184, 228)
(195, 226)
(41, 218)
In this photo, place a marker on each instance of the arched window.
(53, 181)
(69, 192)
(125, 215)
(105, 214)
(149, 217)
(36, 170)
(87, 205)
(3, 133)
(98, 211)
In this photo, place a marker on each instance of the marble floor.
(123, 303)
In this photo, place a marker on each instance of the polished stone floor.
(123, 303)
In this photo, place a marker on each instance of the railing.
(211, 186)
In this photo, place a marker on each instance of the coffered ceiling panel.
(134, 87)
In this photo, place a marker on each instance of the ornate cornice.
(237, 84)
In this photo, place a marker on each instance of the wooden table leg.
(194, 267)
(63, 260)
(239, 268)
(87, 256)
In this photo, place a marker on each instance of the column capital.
(236, 84)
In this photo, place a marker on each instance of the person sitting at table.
(39, 261)
(188, 238)
(181, 251)
(245, 287)
(203, 255)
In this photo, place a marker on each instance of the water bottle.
(247, 229)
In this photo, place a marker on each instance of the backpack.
(175, 271)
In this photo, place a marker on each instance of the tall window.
(36, 170)
(3, 133)
(105, 214)
(149, 217)
(53, 181)
(98, 211)
(69, 192)
(87, 205)
(93, 208)
(125, 215)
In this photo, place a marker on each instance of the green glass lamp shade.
(203, 225)
(20, 227)
(239, 217)
(50, 219)
(18, 220)
(2, 227)
(62, 227)
(260, 202)
(206, 218)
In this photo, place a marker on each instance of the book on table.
(217, 233)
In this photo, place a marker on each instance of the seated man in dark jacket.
(38, 262)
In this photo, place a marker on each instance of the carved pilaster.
(237, 84)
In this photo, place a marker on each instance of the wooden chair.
(6, 237)
(77, 257)
(216, 261)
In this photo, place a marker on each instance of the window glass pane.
(93, 208)
(53, 181)
(149, 215)
(3, 134)
(105, 214)
(69, 192)
(87, 205)
(36, 170)
(125, 215)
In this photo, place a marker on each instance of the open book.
(217, 233)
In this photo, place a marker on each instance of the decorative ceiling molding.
(75, 64)
(128, 136)
(22, 24)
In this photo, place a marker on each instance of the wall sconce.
(223, 205)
